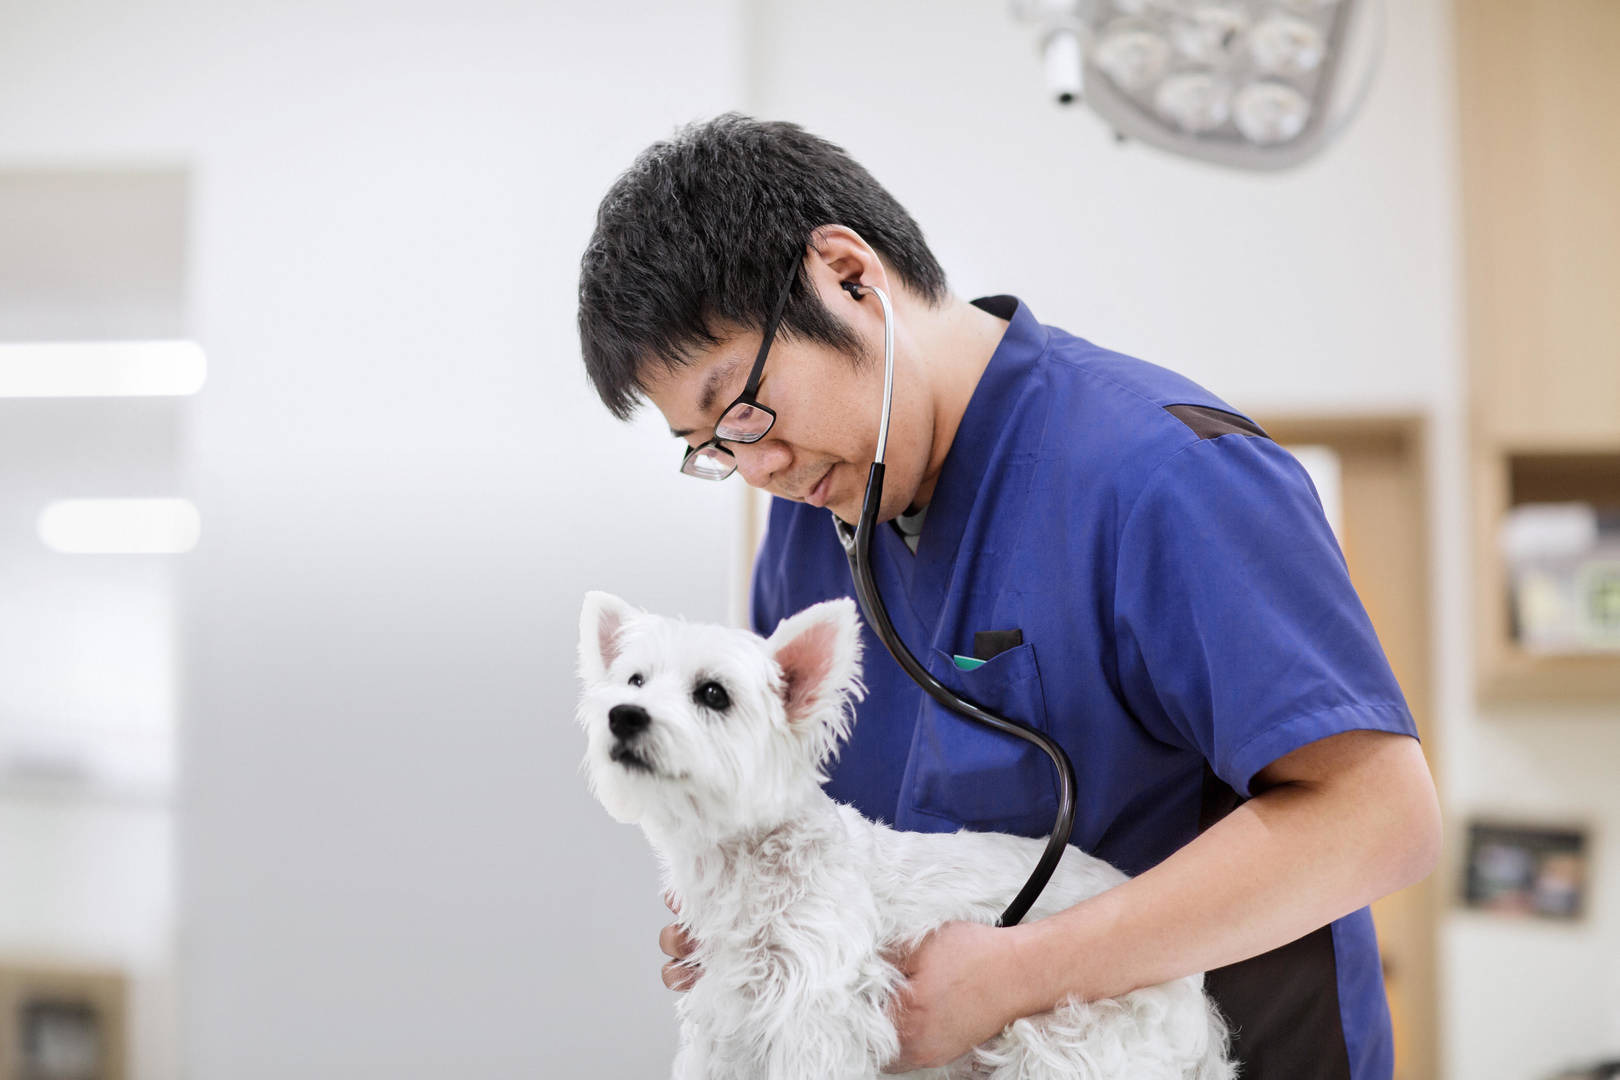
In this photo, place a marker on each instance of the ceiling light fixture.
(1249, 84)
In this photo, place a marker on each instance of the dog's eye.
(712, 695)
(636, 679)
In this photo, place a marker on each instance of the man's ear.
(838, 254)
(818, 651)
(600, 621)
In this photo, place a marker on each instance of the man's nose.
(626, 720)
(759, 462)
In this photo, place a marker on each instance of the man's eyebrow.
(711, 387)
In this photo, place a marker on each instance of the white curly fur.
(796, 900)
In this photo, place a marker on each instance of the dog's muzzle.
(626, 722)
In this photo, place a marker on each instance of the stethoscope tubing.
(858, 547)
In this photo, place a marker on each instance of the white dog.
(714, 741)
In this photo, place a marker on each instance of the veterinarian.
(1079, 540)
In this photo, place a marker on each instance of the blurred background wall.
(387, 862)
(90, 675)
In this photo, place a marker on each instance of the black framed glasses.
(745, 420)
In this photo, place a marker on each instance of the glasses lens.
(709, 463)
(744, 423)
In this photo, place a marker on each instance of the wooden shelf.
(1592, 476)
(1576, 678)
(1503, 479)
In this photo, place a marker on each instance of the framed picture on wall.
(61, 1023)
(1527, 870)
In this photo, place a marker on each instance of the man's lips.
(818, 494)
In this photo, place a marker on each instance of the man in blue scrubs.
(1080, 540)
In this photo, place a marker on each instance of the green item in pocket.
(967, 663)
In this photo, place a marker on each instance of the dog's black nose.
(625, 720)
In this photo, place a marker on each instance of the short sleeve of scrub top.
(1237, 628)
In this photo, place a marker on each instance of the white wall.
(1336, 287)
(389, 863)
(1529, 996)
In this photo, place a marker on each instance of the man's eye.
(636, 679)
(712, 695)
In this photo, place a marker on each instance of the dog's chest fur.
(790, 933)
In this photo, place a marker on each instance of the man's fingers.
(681, 974)
(674, 942)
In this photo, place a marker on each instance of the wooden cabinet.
(1539, 97)
(1539, 110)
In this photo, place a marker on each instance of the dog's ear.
(818, 651)
(600, 621)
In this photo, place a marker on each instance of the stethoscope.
(857, 543)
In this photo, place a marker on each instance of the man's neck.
(956, 341)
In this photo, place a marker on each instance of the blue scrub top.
(1186, 618)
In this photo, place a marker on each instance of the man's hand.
(679, 973)
(962, 987)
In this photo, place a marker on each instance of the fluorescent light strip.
(120, 526)
(101, 369)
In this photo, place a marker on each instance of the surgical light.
(1252, 84)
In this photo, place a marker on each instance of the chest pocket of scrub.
(964, 773)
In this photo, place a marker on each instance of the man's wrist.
(1045, 958)
(1028, 979)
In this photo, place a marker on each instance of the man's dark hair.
(698, 234)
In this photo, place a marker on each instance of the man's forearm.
(1286, 862)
